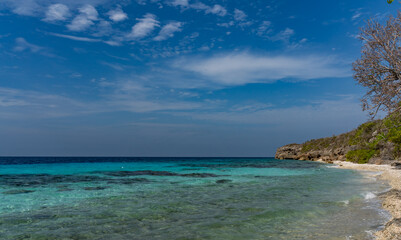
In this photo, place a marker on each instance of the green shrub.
(360, 156)
(362, 133)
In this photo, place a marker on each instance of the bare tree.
(379, 68)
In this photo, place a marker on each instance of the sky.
(177, 77)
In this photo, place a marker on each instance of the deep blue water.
(184, 198)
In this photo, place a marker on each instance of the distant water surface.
(185, 198)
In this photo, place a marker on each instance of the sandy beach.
(391, 200)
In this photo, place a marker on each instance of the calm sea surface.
(185, 198)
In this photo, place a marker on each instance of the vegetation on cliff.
(375, 139)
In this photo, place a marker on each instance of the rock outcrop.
(297, 152)
(377, 142)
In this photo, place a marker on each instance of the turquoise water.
(178, 198)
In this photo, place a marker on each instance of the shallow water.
(183, 198)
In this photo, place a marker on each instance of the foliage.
(360, 156)
(389, 1)
(379, 67)
(363, 132)
(371, 139)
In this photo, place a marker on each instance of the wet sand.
(391, 200)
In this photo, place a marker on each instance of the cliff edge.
(377, 142)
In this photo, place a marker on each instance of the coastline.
(391, 200)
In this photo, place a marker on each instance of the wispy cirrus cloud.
(75, 38)
(216, 9)
(243, 68)
(283, 36)
(22, 45)
(264, 29)
(39, 8)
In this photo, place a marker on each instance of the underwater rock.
(157, 173)
(34, 180)
(223, 181)
(18, 191)
(65, 189)
(139, 173)
(199, 175)
(94, 188)
(128, 181)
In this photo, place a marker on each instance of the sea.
(185, 198)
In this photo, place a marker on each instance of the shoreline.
(391, 200)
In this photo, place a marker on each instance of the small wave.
(346, 202)
(332, 166)
(369, 195)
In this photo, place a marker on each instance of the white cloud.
(117, 15)
(22, 45)
(80, 23)
(309, 115)
(15, 103)
(144, 27)
(24, 7)
(89, 11)
(75, 38)
(357, 14)
(39, 8)
(168, 31)
(264, 28)
(57, 12)
(243, 68)
(103, 28)
(85, 19)
(217, 9)
(284, 35)
(239, 15)
(181, 3)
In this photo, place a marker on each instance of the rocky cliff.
(372, 142)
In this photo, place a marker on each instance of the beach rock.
(396, 165)
(392, 230)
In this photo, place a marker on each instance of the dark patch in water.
(18, 191)
(223, 181)
(33, 180)
(239, 164)
(128, 181)
(95, 188)
(200, 175)
(65, 189)
(157, 173)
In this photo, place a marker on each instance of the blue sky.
(177, 77)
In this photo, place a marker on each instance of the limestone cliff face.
(298, 152)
